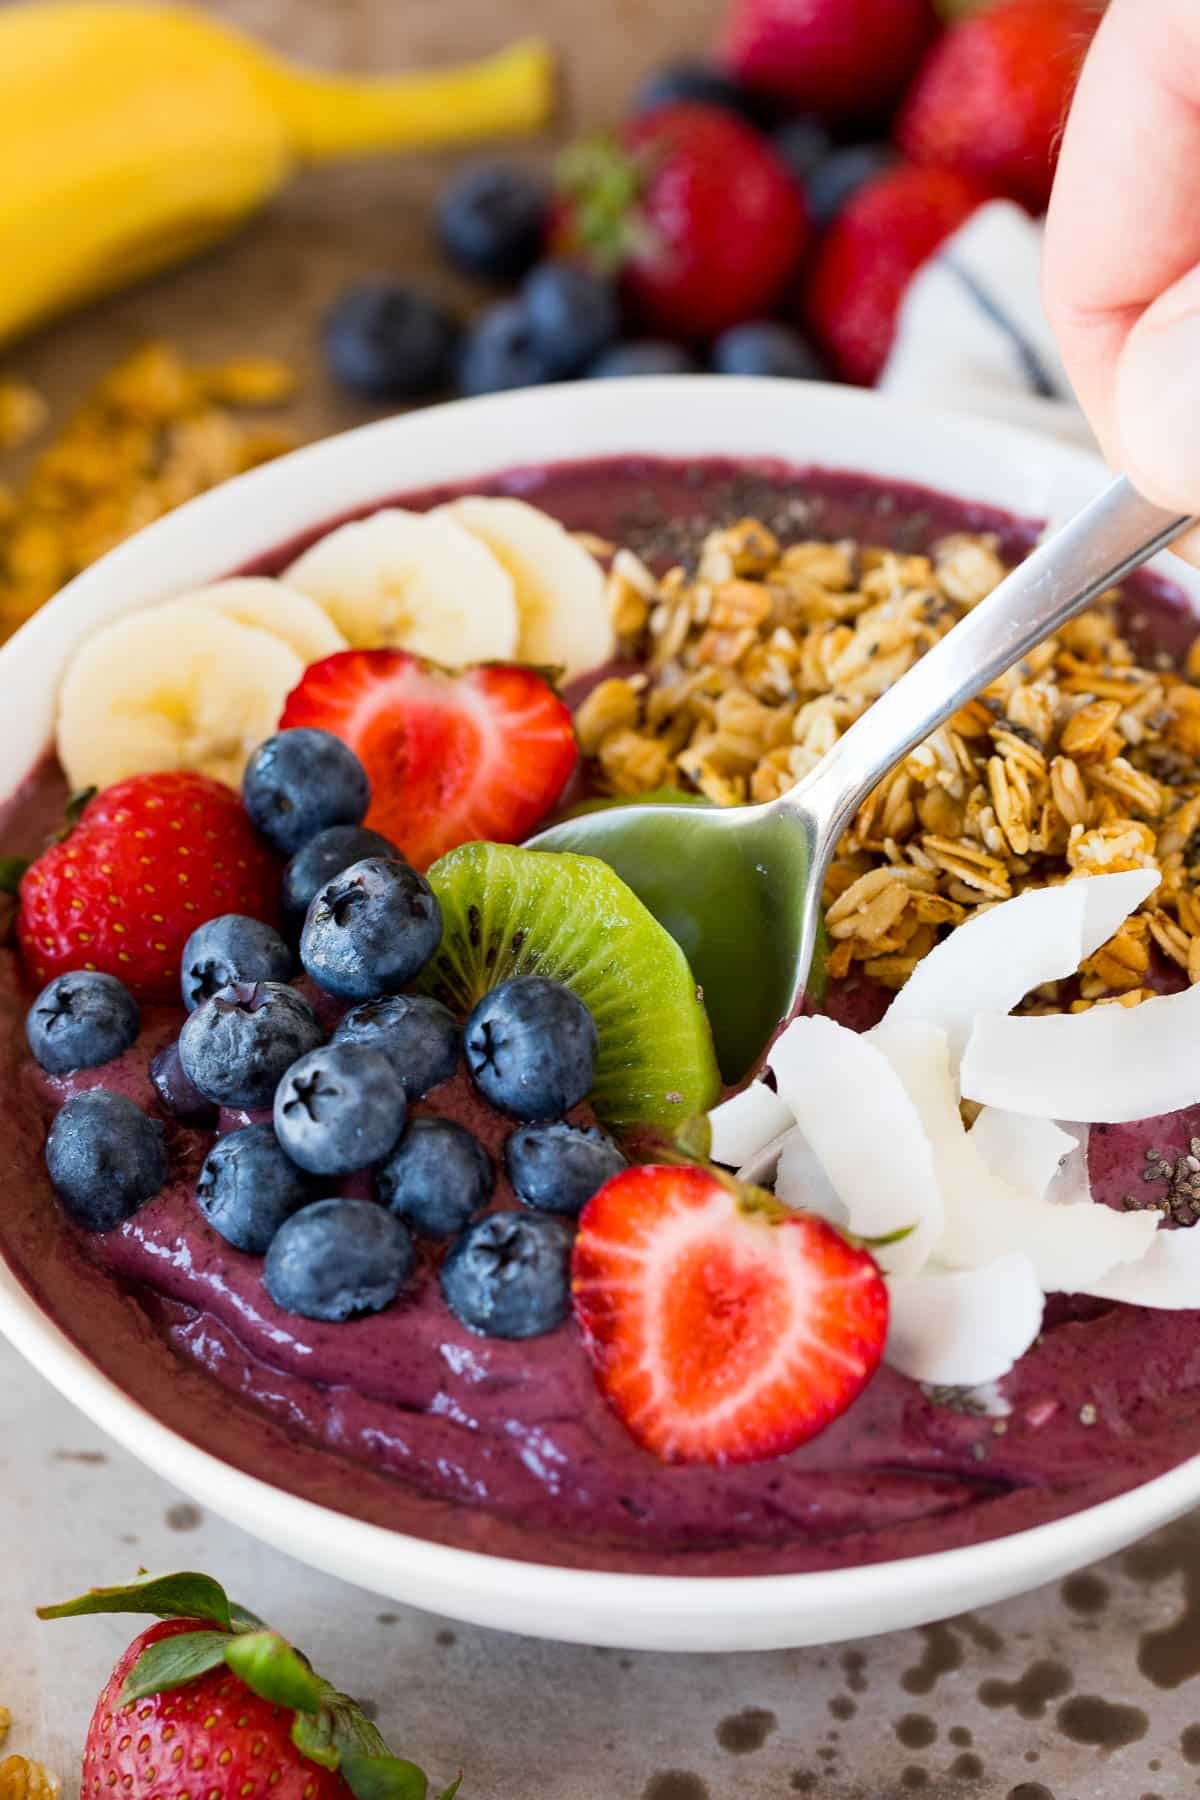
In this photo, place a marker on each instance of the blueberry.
(694, 81)
(501, 351)
(105, 1158)
(557, 1168)
(437, 1178)
(644, 356)
(572, 313)
(508, 1275)
(839, 177)
(323, 857)
(338, 1109)
(229, 950)
(765, 348)
(237, 1047)
(181, 1097)
(337, 1259)
(388, 342)
(81, 1020)
(420, 1038)
(801, 145)
(301, 781)
(248, 1187)
(492, 221)
(531, 1047)
(370, 929)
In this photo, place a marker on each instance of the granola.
(1077, 761)
(23, 1779)
(20, 1777)
(153, 433)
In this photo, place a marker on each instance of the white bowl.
(803, 424)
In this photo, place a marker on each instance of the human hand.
(1121, 274)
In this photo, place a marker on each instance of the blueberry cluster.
(362, 925)
(494, 222)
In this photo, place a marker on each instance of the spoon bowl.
(739, 888)
(732, 886)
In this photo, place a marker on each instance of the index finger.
(1124, 220)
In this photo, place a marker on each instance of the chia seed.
(1087, 1413)
(1181, 1177)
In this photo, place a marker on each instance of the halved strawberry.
(453, 757)
(721, 1327)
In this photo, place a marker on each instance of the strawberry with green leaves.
(693, 212)
(212, 1704)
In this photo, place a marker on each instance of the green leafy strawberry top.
(329, 1728)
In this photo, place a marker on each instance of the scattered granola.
(23, 1779)
(153, 433)
(1078, 760)
(20, 1777)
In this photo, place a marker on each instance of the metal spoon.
(739, 888)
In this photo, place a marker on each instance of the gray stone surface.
(1087, 1692)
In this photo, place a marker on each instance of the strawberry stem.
(184, 1596)
(271, 1669)
(603, 184)
(72, 813)
(11, 870)
(174, 1660)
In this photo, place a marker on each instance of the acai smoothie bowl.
(372, 1172)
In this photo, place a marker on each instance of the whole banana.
(134, 135)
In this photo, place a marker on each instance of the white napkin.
(972, 335)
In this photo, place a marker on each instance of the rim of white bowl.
(993, 464)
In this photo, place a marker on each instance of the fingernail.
(1158, 398)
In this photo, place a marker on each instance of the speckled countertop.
(1087, 1692)
(1090, 1691)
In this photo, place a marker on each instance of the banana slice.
(561, 594)
(271, 606)
(414, 581)
(177, 687)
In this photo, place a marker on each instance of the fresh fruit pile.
(210, 1687)
(194, 684)
(505, 984)
(558, 982)
(759, 214)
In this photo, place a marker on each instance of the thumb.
(1157, 397)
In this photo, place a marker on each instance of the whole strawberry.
(149, 859)
(992, 96)
(697, 215)
(834, 57)
(872, 251)
(210, 1701)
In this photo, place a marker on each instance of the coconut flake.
(957, 1328)
(987, 1217)
(993, 960)
(746, 1123)
(1026, 1152)
(1109, 1065)
(864, 1131)
(1168, 1276)
(802, 1184)
(1073, 1181)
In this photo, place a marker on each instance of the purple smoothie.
(410, 1421)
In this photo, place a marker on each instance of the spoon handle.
(1101, 545)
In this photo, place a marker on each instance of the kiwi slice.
(508, 912)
